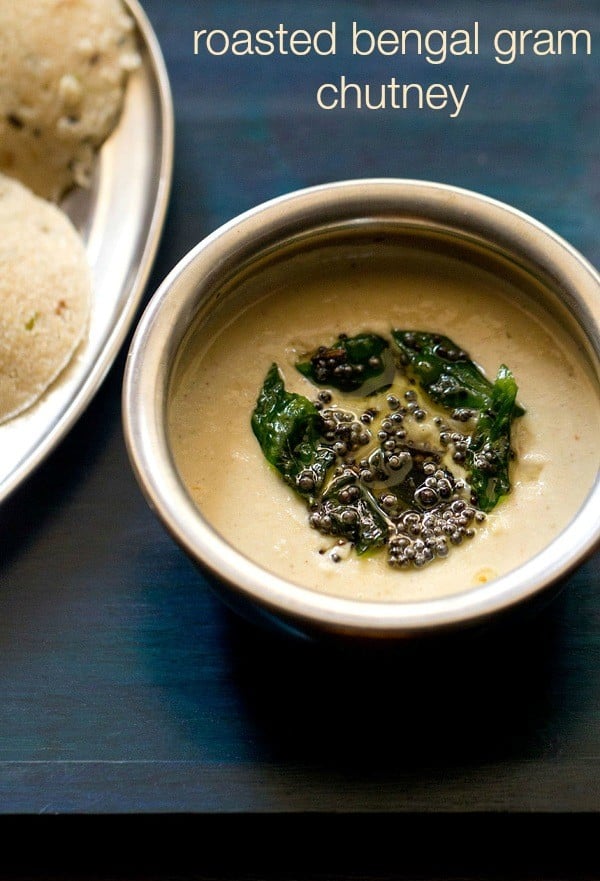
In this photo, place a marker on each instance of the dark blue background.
(125, 686)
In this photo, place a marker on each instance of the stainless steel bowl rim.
(174, 304)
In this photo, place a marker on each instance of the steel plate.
(120, 218)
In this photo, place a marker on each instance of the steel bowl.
(569, 288)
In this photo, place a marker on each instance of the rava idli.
(63, 71)
(45, 295)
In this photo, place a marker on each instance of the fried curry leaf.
(288, 428)
(489, 450)
(359, 519)
(362, 362)
(445, 371)
(447, 375)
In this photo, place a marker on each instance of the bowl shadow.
(462, 699)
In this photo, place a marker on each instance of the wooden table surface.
(126, 687)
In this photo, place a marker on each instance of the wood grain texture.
(126, 686)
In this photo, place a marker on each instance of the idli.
(45, 295)
(63, 72)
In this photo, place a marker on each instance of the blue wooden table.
(125, 686)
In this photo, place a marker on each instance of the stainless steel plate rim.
(40, 429)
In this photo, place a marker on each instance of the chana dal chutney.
(283, 312)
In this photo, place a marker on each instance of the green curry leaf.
(288, 428)
(449, 377)
(361, 521)
(360, 363)
(445, 371)
(489, 450)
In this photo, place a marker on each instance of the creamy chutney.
(282, 312)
